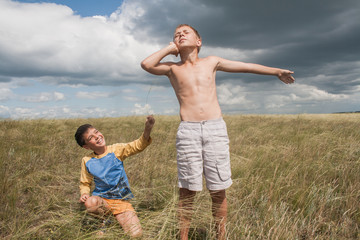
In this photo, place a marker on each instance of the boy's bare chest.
(195, 75)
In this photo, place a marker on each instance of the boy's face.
(185, 36)
(93, 139)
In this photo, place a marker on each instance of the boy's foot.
(103, 226)
(100, 234)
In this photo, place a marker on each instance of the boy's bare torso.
(195, 88)
(193, 78)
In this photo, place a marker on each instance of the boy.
(105, 167)
(202, 142)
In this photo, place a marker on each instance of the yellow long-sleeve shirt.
(107, 170)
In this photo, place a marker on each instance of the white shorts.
(203, 148)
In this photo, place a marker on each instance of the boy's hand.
(173, 49)
(150, 121)
(285, 76)
(84, 197)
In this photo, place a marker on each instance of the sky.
(81, 59)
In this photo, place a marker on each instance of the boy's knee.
(93, 203)
(218, 193)
(186, 193)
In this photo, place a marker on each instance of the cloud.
(302, 95)
(58, 96)
(308, 37)
(305, 93)
(24, 113)
(4, 112)
(131, 99)
(170, 111)
(96, 112)
(5, 94)
(45, 97)
(4, 79)
(127, 90)
(236, 96)
(55, 112)
(153, 88)
(50, 40)
(229, 94)
(142, 110)
(93, 95)
(49, 43)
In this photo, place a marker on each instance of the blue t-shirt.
(110, 178)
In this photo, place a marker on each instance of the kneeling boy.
(104, 166)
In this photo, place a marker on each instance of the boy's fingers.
(150, 118)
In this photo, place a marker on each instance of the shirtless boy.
(202, 142)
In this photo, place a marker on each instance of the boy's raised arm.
(236, 66)
(152, 63)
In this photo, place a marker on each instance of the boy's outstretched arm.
(236, 66)
(152, 63)
(150, 121)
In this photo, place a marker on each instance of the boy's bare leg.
(186, 201)
(96, 205)
(130, 223)
(219, 210)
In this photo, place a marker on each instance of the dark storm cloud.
(4, 79)
(310, 37)
(255, 24)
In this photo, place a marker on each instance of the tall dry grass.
(295, 177)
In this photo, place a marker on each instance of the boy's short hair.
(196, 32)
(80, 132)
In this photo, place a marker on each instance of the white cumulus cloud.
(228, 94)
(5, 94)
(45, 97)
(93, 95)
(142, 110)
(4, 111)
(50, 40)
(304, 94)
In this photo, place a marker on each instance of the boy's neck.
(189, 55)
(100, 151)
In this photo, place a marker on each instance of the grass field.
(295, 177)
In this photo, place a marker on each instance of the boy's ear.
(86, 146)
(199, 42)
